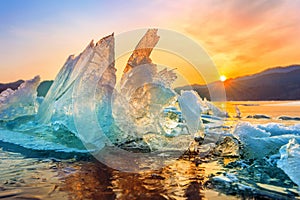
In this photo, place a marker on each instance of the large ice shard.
(91, 75)
(290, 160)
(20, 102)
(96, 82)
(141, 54)
(144, 91)
(57, 105)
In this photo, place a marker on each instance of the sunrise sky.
(242, 37)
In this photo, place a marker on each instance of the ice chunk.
(290, 160)
(106, 84)
(226, 179)
(165, 77)
(280, 129)
(147, 104)
(246, 130)
(81, 91)
(136, 78)
(216, 111)
(140, 70)
(289, 118)
(83, 97)
(238, 112)
(20, 102)
(141, 54)
(95, 66)
(144, 92)
(258, 143)
(96, 82)
(205, 149)
(172, 122)
(258, 116)
(57, 105)
(190, 104)
(146, 96)
(36, 142)
(209, 106)
(228, 147)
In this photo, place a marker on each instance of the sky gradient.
(242, 37)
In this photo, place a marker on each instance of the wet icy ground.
(29, 174)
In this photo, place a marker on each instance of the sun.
(223, 78)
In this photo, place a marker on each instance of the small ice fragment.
(20, 102)
(228, 147)
(290, 160)
(258, 116)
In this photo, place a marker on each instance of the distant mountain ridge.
(279, 69)
(13, 85)
(279, 83)
(41, 90)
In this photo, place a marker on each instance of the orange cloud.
(245, 37)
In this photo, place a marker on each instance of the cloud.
(245, 31)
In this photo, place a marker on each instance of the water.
(38, 174)
(33, 178)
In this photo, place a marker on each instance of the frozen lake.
(44, 174)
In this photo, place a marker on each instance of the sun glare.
(223, 78)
